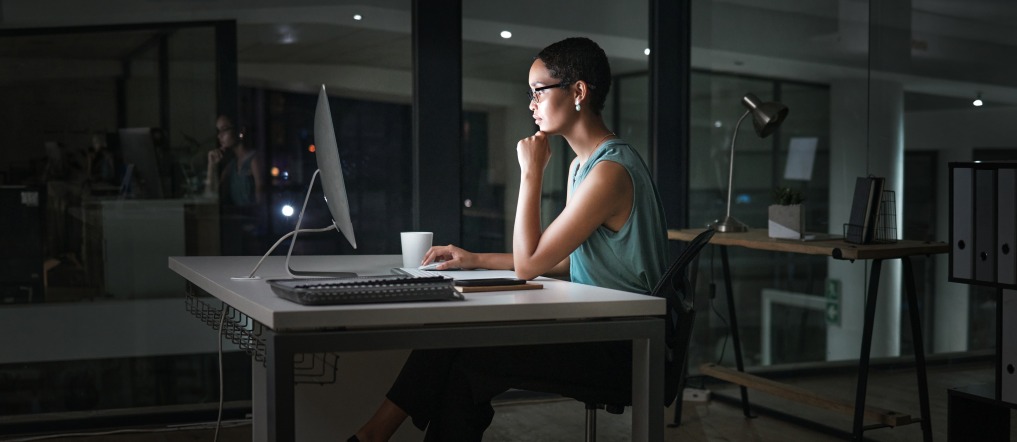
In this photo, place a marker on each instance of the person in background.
(235, 171)
(101, 167)
(612, 233)
(237, 177)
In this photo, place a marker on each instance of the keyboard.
(365, 289)
(415, 272)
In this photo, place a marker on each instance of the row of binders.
(366, 289)
(983, 230)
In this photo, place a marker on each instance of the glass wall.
(880, 88)
(93, 320)
(98, 189)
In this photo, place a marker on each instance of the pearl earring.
(577, 107)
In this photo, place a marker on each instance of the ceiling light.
(287, 35)
(978, 100)
(646, 51)
(506, 34)
(358, 17)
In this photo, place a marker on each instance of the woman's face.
(549, 106)
(227, 139)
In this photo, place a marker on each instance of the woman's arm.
(604, 198)
(455, 257)
(212, 175)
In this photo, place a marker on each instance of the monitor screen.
(139, 148)
(330, 169)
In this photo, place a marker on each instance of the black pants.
(449, 391)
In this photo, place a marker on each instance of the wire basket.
(885, 230)
(886, 223)
(246, 333)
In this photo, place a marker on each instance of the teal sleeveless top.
(635, 257)
(241, 182)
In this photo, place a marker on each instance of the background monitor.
(138, 147)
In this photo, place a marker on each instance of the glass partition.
(104, 125)
(880, 88)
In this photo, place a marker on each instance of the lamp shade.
(766, 117)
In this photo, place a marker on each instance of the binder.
(1006, 233)
(861, 226)
(962, 206)
(985, 225)
(1008, 336)
(365, 289)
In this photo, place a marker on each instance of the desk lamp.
(765, 118)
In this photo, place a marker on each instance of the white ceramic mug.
(415, 245)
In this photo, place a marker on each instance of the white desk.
(562, 312)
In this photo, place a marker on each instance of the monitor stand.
(290, 270)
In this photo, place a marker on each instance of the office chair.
(677, 289)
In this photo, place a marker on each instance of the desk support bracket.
(863, 358)
(919, 344)
(735, 336)
(916, 337)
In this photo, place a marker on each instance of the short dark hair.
(579, 58)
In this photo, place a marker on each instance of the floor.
(719, 419)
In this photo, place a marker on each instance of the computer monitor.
(139, 147)
(333, 185)
(326, 152)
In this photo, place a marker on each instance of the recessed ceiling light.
(358, 17)
(506, 34)
(646, 51)
(978, 101)
(287, 35)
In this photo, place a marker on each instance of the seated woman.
(612, 233)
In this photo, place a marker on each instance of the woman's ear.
(580, 90)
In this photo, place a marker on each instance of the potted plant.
(787, 218)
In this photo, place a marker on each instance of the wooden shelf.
(790, 392)
(837, 248)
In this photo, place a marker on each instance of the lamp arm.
(730, 170)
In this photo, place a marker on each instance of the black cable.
(218, 420)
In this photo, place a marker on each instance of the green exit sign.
(833, 302)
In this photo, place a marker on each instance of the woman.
(611, 234)
(241, 180)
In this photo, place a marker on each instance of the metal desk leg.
(863, 359)
(281, 396)
(648, 387)
(919, 344)
(736, 340)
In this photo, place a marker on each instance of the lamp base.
(729, 225)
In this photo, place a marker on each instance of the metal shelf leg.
(735, 338)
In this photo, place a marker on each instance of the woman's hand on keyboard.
(451, 257)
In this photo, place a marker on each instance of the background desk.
(757, 239)
(561, 312)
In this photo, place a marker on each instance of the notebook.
(365, 289)
(861, 227)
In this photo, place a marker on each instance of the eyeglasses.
(535, 93)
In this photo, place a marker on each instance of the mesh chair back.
(678, 291)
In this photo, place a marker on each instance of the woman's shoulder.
(617, 150)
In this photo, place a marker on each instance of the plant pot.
(787, 221)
